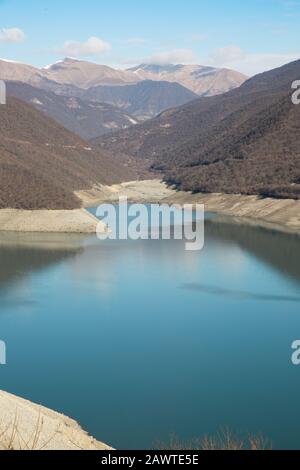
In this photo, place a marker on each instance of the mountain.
(10, 70)
(205, 81)
(73, 78)
(83, 74)
(143, 100)
(73, 72)
(84, 118)
(16, 71)
(69, 74)
(143, 91)
(42, 163)
(245, 141)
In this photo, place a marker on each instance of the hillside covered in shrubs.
(246, 141)
(42, 163)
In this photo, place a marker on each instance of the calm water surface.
(141, 340)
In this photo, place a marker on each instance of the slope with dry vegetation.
(245, 141)
(42, 163)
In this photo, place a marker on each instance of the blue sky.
(247, 35)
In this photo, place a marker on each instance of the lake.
(139, 340)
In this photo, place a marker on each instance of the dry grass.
(224, 440)
(11, 438)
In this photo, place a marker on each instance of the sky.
(250, 36)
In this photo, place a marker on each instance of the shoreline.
(273, 214)
(27, 426)
(49, 221)
(282, 215)
(146, 191)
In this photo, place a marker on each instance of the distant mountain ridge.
(83, 74)
(204, 81)
(137, 94)
(84, 118)
(144, 100)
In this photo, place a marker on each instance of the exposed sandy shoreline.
(148, 191)
(26, 426)
(276, 214)
(75, 221)
(79, 220)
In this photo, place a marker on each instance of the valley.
(149, 326)
(240, 142)
(245, 141)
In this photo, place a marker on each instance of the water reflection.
(279, 250)
(139, 340)
(21, 254)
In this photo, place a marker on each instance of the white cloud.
(250, 64)
(92, 47)
(257, 63)
(176, 56)
(12, 35)
(227, 54)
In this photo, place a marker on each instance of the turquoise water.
(141, 340)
